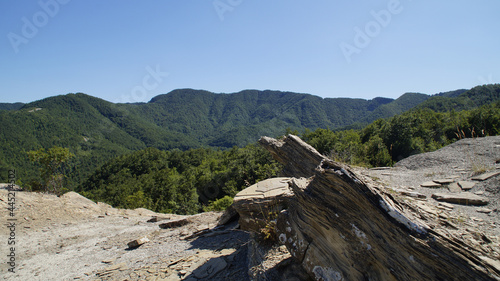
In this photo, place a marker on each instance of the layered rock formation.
(260, 203)
(340, 228)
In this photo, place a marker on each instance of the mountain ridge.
(97, 130)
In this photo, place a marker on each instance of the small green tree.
(219, 204)
(51, 162)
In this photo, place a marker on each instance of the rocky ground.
(460, 162)
(73, 238)
(458, 167)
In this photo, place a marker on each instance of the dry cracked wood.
(340, 228)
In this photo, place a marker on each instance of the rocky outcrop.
(340, 228)
(259, 204)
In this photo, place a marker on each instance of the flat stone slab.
(446, 205)
(413, 194)
(454, 187)
(443, 181)
(210, 268)
(175, 223)
(264, 189)
(430, 184)
(486, 176)
(157, 219)
(380, 168)
(484, 210)
(256, 202)
(463, 198)
(466, 185)
(426, 208)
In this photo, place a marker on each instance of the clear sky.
(131, 51)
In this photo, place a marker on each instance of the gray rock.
(340, 228)
(443, 181)
(175, 223)
(446, 205)
(229, 215)
(484, 210)
(463, 198)
(138, 242)
(430, 184)
(260, 203)
(157, 219)
(210, 268)
(486, 176)
(466, 185)
(454, 187)
(413, 194)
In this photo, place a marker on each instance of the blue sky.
(131, 51)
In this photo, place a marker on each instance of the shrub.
(219, 204)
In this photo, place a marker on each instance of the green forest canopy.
(185, 182)
(177, 181)
(114, 142)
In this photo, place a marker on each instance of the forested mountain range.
(11, 106)
(96, 130)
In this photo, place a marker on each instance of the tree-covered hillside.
(96, 130)
(226, 120)
(177, 181)
(463, 100)
(386, 141)
(11, 106)
(185, 182)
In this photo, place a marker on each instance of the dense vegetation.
(11, 106)
(463, 100)
(181, 182)
(51, 162)
(97, 131)
(186, 181)
(165, 156)
(386, 141)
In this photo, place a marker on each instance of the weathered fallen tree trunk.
(340, 228)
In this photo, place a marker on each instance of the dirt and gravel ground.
(72, 238)
(460, 161)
